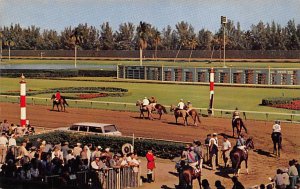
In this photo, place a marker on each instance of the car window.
(110, 128)
(74, 127)
(83, 128)
(95, 129)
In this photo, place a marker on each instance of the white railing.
(289, 117)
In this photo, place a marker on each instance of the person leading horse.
(276, 137)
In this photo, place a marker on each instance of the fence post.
(267, 117)
(32, 101)
(221, 113)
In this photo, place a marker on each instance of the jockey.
(276, 128)
(241, 143)
(180, 105)
(198, 151)
(193, 159)
(189, 106)
(152, 101)
(57, 96)
(145, 102)
(235, 114)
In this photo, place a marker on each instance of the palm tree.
(9, 42)
(76, 39)
(157, 41)
(192, 44)
(1, 36)
(142, 31)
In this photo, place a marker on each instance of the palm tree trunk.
(9, 52)
(190, 55)
(177, 52)
(155, 54)
(141, 56)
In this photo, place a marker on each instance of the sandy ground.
(262, 164)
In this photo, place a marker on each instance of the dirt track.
(261, 164)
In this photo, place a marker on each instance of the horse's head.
(172, 108)
(250, 143)
(138, 103)
(53, 97)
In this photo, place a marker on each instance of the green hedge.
(162, 149)
(277, 100)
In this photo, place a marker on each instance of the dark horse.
(62, 103)
(277, 139)
(187, 175)
(160, 109)
(237, 156)
(238, 124)
(179, 113)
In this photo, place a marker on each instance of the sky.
(202, 14)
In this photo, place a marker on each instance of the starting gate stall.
(259, 76)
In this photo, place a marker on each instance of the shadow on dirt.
(262, 152)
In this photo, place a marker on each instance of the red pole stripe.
(22, 101)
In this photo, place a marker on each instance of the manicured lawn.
(167, 94)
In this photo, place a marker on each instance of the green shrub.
(277, 100)
(162, 149)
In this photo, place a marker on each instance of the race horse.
(237, 156)
(62, 103)
(187, 175)
(179, 113)
(150, 108)
(238, 124)
(277, 139)
(195, 116)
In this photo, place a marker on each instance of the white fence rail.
(254, 115)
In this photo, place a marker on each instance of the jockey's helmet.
(236, 108)
(181, 100)
(277, 122)
(145, 97)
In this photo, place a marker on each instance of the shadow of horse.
(262, 152)
(166, 187)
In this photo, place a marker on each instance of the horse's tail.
(164, 109)
(187, 178)
(65, 101)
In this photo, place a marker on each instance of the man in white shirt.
(146, 102)
(12, 141)
(213, 150)
(226, 150)
(181, 105)
(3, 147)
(276, 134)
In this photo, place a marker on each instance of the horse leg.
(233, 131)
(160, 113)
(199, 181)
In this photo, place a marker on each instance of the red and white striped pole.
(211, 89)
(23, 101)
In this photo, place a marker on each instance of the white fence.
(226, 113)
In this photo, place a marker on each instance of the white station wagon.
(93, 128)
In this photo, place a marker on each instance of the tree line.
(262, 36)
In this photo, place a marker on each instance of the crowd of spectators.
(34, 160)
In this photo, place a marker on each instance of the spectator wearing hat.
(213, 150)
(3, 147)
(226, 150)
(285, 177)
(198, 151)
(77, 150)
(84, 156)
(97, 152)
(278, 179)
(65, 148)
(206, 151)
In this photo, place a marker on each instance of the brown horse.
(62, 103)
(160, 109)
(238, 124)
(237, 156)
(179, 113)
(194, 115)
(189, 175)
(148, 109)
